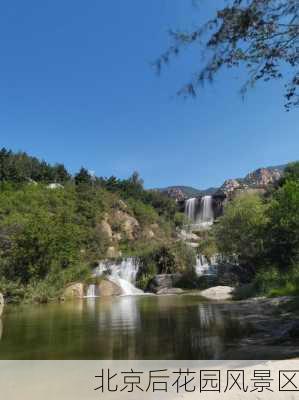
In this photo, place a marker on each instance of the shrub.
(240, 231)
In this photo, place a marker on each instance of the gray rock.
(218, 293)
(163, 281)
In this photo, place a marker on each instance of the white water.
(91, 291)
(206, 215)
(122, 274)
(190, 209)
(206, 267)
(202, 217)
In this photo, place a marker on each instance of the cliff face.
(262, 177)
(257, 180)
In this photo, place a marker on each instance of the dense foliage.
(263, 233)
(176, 257)
(240, 231)
(53, 234)
(19, 167)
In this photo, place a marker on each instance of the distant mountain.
(185, 192)
(261, 177)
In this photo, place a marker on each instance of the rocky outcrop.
(107, 288)
(259, 180)
(74, 291)
(176, 194)
(263, 177)
(106, 229)
(218, 293)
(230, 185)
(128, 224)
(1, 304)
(163, 282)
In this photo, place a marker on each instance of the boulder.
(106, 229)
(1, 304)
(55, 186)
(74, 291)
(188, 236)
(162, 282)
(108, 288)
(129, 225)
(218, 293)
(170, 291)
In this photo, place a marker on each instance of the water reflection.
(142, 327)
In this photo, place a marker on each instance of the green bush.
(144, 213)
(283, 226)
(273, 282)
(241, 231)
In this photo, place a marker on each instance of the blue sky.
(76, 87)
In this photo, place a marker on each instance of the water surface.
(132, 327)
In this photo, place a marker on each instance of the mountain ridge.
(259, 177)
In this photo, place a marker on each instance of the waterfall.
(202, 217)
(206, 215)
(123, 274)
(190, 209)
(91, 291)
(205, 267)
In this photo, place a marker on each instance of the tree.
(83, 177)
(292, 171)
(262, 35)
(61, 174)
(283, 241)
(240, 231)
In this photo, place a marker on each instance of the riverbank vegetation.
(262, 231)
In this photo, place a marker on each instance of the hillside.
(54, 227)
(260, 177)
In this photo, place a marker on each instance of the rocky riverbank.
(274, 323)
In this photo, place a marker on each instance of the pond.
(131, 327)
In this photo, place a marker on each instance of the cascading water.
(190, 209)
(91, 291)
(205, 267)
(206, 215)
(202, 218)
(123, 274)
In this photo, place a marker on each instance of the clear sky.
(76, 87)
